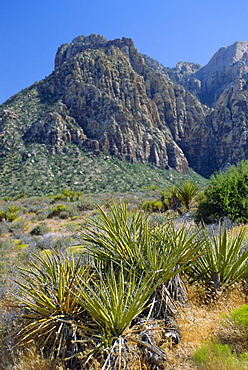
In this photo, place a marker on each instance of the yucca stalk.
(48, 286)
(223, 256)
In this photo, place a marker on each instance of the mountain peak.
(81, 43)
(225, 57)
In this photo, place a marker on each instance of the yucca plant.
(11, 213)
(47, 295)
(186, 193)
(2, 215)
(76, 312)
(224, 260)
(132, 242)
(121, 238)
(114, 298)
(169, 197)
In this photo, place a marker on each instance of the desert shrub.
(45, 241)
(3, 228)
(57, 197)
(19, 196)
(239, 317)
(226, 195)
(58, 209)
(2, 215)
(42, 215)
(85, 205)
(40, 229)
(53, 241)
(153, 206)
(214, 355)
(7, 199)
(64, 214)
(17, 227)
(68, 195)
(226, 352)
(158, 219)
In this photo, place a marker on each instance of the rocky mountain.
(105, 97)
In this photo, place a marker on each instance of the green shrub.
(57, 197)
(2, 215)
(153, 206)
(41, 215)
(40, 229)
(213, 356)
(227, 195)
(58, 209)
(17, 227)
(85, 205)
(240, 316)
(64, 214)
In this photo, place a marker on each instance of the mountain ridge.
(104, 96)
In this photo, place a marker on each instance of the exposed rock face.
(227, 65)
(105, 96)
(121, 103)
(56, 129)
(222, 84)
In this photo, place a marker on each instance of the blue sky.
(169, 31)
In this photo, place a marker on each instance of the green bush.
(213, 356)
(84, 205)
(56, 211)
(226, 196)
(240, 316)
(153, 206)
(64, 214)
(2, 215)
(40, 229)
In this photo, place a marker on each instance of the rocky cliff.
(104, 96)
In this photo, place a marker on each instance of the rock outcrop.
(224, 68)
(104, 96)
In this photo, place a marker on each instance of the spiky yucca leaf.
(49, 284)
(186, 192)
(169, 197)
(114, 299)
(56, 318)
(131, 241)
(223, 254)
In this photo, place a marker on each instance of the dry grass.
(199, 323)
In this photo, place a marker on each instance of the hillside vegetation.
(100, 283)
